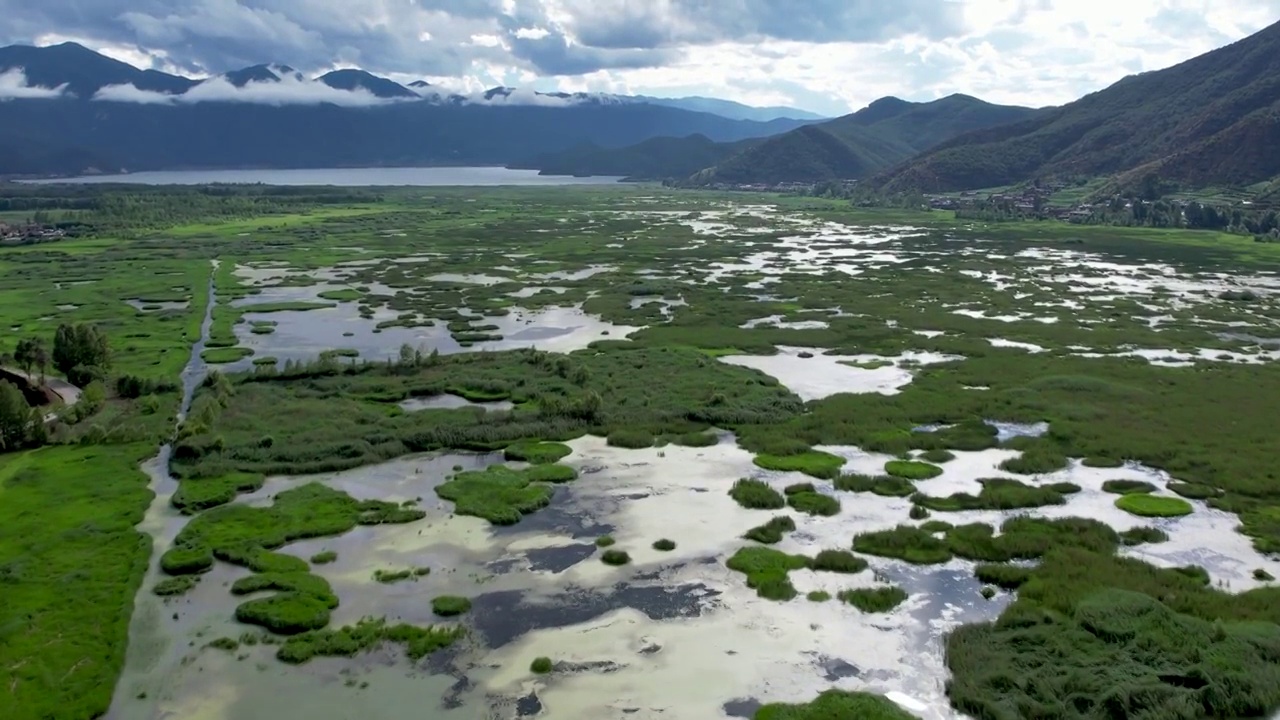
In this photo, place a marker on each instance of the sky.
(826, 56)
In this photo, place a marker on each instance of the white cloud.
(13, 86)
(290, 90)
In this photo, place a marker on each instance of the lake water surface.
(345, 177)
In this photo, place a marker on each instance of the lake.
(345, 177)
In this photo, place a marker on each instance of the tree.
(42, 361)
(80, 353)
(25, 354)
(15, 417)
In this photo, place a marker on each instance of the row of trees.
(80, 352)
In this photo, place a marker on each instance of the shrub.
(938, 455)
(324, 558)
(904, 542)
(541, 666)
(536, 453)
(756, 495)
(873, 600)
(180, 585)
(1194, 491)
(1128, 487)
(813, 463)
(1009, 577)
(841, 561)
(664, 545)
(918, 513)
(615, 557)
(988, 592)
(605, 541)
(912, 469)
(814, 503)
(1153, 505)
(771, 532)
(1140, 535)
(630, 438)
(450, 605)
(766, 570)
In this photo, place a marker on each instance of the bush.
(756, 495)
(1128, 487)
(1141, 535)
(938, 455)
(836, 705)
(180, 585)
(630, 438)
(615, 557)
(536, 453)
(918, 513)
(766, 570)
(814, 503)
(1009, 577)
(813, 463)
(771, 532)
(450, 605)
(988, 592)
(541, 666)
(912, 469)
(841, 561)
(883, 485)
(605, 541)
(904, 542)
(874, 600)
(664, 545)
(1153, 505)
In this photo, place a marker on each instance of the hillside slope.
(653, 159)
(1214, 119)
(884, 133)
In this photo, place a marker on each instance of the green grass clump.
(818, 596)
(766, 570)
(1009, 577)
(936, 526)
(224, 355)
(1096, 461)
(554, 474)
(1194, 491)
(498, 493)
(1028, 538)
(181, 585)
(814, 503)
(390, 577)
(1036, 460)
(918, 512)
(450, 605)
(874, 600)
(632, 438)
(664, 545)
(836, 705)
(756, 495)
(536, 453)
(1153, 505)
(905, 542)
(796, 488)
(1128, 487)
(366, 635)
(324, 557)
(840, 561)
(1142, 535)
(195, 495)
(605, 541)
(883, 485)
(937, 455)
(696, 439)
(615, 557)
(541, 666)
(813, 463)
(286, 613)
(996, 494)
(912, 469)
(224, 643)
(771, 532)
(1262, 575)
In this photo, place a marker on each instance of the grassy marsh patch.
(771, 533)
(756, 495)
(766, 570)
(1153, 505)
(912, 469)
(873, 600)
(450, 605)
(1128, 487)
(498, 493)
(814, 463)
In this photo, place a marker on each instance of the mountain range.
(69, 109)
(1212, 120)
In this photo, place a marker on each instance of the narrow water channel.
(149, 647)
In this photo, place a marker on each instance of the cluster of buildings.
(29, 233)
(1027, 201)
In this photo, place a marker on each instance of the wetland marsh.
(421, 437)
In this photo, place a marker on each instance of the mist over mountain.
(69, 109)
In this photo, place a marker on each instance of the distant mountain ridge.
(884, 133)
(80, 110)
(1212, 120)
